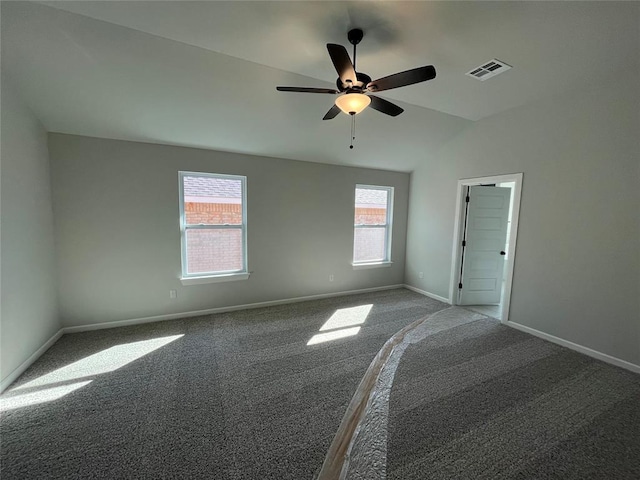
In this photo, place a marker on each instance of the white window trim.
(365, 266)
(386, 261)
(229, 277)
(212, 277)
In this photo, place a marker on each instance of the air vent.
(489, 69)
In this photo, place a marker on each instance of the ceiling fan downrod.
(355, 36)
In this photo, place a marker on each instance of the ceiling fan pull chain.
(353, 129)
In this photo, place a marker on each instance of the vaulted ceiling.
(203, 74)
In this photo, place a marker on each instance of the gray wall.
(118, 239)
(577, 261)
(29, 312)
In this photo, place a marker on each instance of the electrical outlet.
(331, 277)
(173, 294)
(421, 275)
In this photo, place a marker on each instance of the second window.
(372, 224)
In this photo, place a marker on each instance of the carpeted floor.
(251, 395)
(237, 396)
(485, 401)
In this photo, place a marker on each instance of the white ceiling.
(204, 73)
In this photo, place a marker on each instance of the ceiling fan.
(356, 87)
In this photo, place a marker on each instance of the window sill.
(230, 277)
(364, 266)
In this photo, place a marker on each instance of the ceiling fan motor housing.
(360, 85)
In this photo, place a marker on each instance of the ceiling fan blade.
(402, 79)
(332, 113)
(306, 90)
(342, 62)
(385, 106)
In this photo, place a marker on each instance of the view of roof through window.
(372, 198)
(212, 190)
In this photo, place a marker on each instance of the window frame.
(214, 276)
(386, 261)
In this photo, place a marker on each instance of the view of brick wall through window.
(370, 209)
(213, 201)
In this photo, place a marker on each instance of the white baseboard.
(427, 294)
(9, 379)
(197, 313)
(578, 348)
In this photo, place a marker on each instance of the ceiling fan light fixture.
(353, 103)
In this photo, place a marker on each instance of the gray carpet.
(242, 396)
(485, 401)
(239, 396)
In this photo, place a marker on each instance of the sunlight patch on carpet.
(40, 396)
(335, 335)
(347, 317)
(105, 361)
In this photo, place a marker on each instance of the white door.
(484, 244)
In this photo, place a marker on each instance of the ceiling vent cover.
(488, 70)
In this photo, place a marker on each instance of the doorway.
(484, 243)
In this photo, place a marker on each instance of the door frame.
(458, 234)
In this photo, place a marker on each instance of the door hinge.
(464, 243)
(467, 199)
(460, 285)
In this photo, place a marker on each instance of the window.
(213, 227)
(372, 225)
